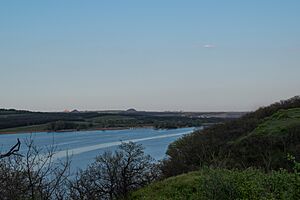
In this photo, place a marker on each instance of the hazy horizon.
(67, 109)
(154, 56)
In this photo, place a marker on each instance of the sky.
(160, 55)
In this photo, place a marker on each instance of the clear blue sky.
(151, 55)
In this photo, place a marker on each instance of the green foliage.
(296, 165)
(223, 184)
(279, 122)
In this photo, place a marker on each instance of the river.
(84, 146)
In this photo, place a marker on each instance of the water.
(84, 146)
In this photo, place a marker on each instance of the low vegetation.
(210, 184)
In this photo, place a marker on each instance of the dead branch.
(13, 151)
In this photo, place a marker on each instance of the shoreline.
(66, 130)
(75, 130)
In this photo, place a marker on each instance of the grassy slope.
(279, 122)
(276, 125)
(223, 184)
(33, 128)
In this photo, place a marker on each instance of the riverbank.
(4, 132)
(67, 130)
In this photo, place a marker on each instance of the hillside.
(259, 139)
(278, 123)
(269, 143)
(242, 159)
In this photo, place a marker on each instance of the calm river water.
(84, 146)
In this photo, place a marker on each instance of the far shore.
(75, 130)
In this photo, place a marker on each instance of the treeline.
(231, 145)
(12, 111)
(177, 122)
(26, 118)
(65, 125)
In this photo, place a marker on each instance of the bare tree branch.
(13, 151)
